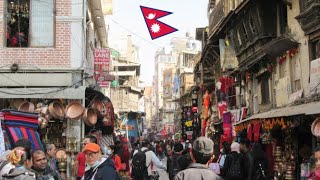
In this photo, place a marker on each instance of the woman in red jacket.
(116, 158)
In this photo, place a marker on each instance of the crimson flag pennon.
(155, 27)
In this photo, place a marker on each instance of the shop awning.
(45, 93)
(302, 109)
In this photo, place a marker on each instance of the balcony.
(220, 12)
(215, 16)
(309, 17)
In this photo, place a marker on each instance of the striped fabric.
(19, 125)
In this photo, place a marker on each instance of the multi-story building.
(163, 61)
(125, 90)
(168, 96)
(47, 54)
(149, 106)
(264, 60)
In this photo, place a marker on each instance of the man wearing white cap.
(201, 155)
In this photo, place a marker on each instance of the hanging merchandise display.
(17, 125)
(187, 122)
(206, 104)
(222, 107)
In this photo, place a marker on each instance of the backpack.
(235, 170)
(139, 168)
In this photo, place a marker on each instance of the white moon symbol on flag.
(151, 16)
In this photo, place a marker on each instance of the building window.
(30, 23)
(239, 38)
(252, 26)
(244, 30)
(283, 18)
(315, 49)
(265, 94)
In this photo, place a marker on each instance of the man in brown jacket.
(202, 156)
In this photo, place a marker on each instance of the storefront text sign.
(101, 66)
(315, 76)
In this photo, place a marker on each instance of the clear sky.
(127, 19)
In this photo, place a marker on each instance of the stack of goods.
(17, 125)
(278, 160)
(290, 173)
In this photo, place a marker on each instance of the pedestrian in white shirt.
(151, 158)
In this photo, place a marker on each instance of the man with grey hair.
(51, 151)
(202, 156)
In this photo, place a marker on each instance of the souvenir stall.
(99, 117)
(44, 121)
(187, 123)
(287, 142)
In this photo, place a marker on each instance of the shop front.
(59, 116)
(288, 136)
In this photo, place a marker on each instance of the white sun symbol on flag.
(155, 28)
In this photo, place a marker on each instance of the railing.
(216, 16)
(220, 11)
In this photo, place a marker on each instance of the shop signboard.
(283, 90)
(131, 128)
(115, 53)
(295, 96)
(228, 57)
(315, 76)
(101, 66)
(107, 7)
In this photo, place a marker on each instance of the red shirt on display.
(81, 158)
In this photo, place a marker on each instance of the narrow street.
(163, 175)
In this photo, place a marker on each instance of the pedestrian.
(5, 164)
(260, 163)
(98, 167)
(80, 161)
(21, 159)
(115, 157)
(142, 162)
(248, 158)
(41, 167)
(315, 173)
(51, 151)
(125, 161)
(201, 155)
(226, 149)
(233, 164)
(178, 161)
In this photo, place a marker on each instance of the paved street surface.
(163, 174)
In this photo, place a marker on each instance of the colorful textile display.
(2, 141)
(17, 125)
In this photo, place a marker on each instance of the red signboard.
(101, 66)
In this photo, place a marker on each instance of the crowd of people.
(184, 161)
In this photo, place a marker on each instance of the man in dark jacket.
(178, 161)
(41, 168)
(99, 168)
(201, 155)
(248, 158)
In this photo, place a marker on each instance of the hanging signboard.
(101, 66)
(228, 59)
(107, 7)
(315, 76)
